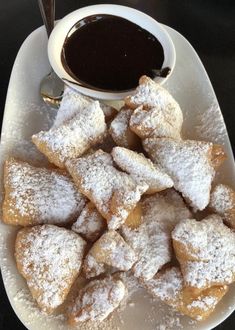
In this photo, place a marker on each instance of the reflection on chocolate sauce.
(110, 53)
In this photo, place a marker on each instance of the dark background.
(209, 25)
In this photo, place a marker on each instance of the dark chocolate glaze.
(110, 53)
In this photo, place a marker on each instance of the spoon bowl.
(51, 87)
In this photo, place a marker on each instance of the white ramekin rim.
(59, 33)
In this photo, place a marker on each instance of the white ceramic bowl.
(61, 30)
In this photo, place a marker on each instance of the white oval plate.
(25, 114)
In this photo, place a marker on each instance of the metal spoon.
(51, 87)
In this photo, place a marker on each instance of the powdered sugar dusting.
(97, 300)
(100, 181)
(90, 223)
(121, 121)
(119, 128)
(110, 250)
(170, 320)
(167, 285)
(212, 245)
(183, 160)
(49, 258)
(151, 240)
(211, 126)
(141, 169)
(74, 137)
(115, 251)
(155, 122)
(39, 195)
(91, 267)
(203, 303)
(74, 103)
(222, 199)
(149, 94)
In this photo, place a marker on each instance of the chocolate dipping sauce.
(110, 53)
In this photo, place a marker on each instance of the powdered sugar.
(151, 95)
(155, 122)
(211, 126)
(114, 251)
(211, 245)
(101, 182)
(39, 195)
(90, 223)
(74, 103)
(141, 169)
(167, 285)
(97, 300)
(222, 199)
(120, 124)
(183, 161)
(91, 267)
(49, 258)
(110, 250)
(151, 240)
(203, 303)
(167, 208)
(74, 137)
(120, 131)
(170, 320)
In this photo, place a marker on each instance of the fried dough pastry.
(135, 219)
(121, 132)
(74, 102)
(97, 300)
(155, 122)
(168, 286)
(222, 201)
(74, 137)
(90, 223)
(165, 117)
(113, 192)
(151, 240)
(218, 156)
(38, 195)
(49, 258)
(188, 163)
(71, 104)
(142, 169)
(206, 252)
(110, 250)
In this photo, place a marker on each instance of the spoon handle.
(47, 9)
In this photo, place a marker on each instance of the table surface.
(208, 25)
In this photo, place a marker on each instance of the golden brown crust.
(134, 219)
(218, 156)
